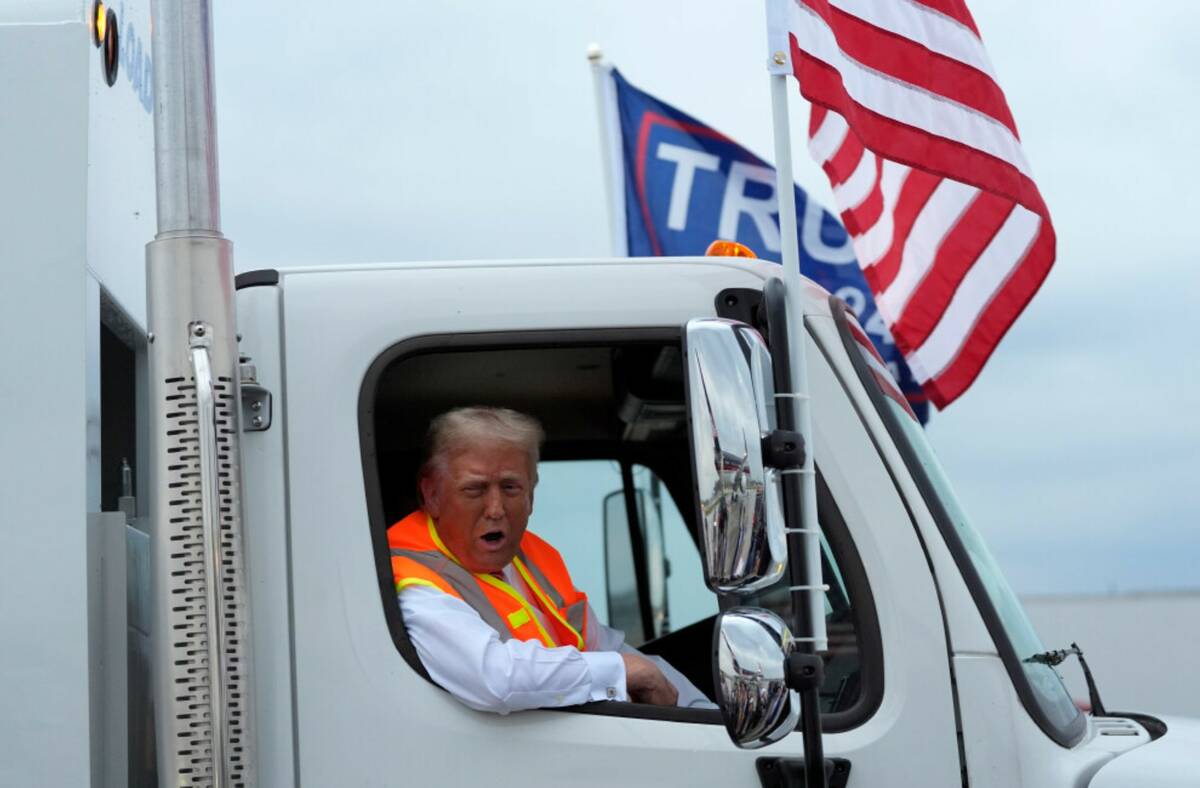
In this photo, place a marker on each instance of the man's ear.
(429, 496)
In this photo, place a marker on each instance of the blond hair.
(462, 428)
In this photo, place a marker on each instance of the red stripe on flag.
(960, 248)
(869, 211)
(822, 84)
(955, 9)
(906, 60)
(917, 189)
(842, 163)
(994, 321)
(815, 118)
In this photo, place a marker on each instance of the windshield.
(999, 606)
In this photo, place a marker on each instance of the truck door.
(365, 714)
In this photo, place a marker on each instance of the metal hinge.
(256, 399)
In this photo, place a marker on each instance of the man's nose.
(494, 504)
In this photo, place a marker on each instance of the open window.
(614, 494)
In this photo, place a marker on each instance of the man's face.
(481, 500)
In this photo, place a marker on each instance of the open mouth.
(493, 538)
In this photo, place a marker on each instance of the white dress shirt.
(465, 655)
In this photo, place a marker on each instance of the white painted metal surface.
(71, 202)
(267, 542)
(1169, 762)
(120, 169)
(43, 309)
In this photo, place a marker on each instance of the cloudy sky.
(379, 131)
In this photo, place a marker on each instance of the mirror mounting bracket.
(783, 449)
(790, 772)
(804, 671)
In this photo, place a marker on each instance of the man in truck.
(489, 606)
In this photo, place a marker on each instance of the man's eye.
(513, 487)
(473, 490)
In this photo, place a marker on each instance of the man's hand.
(645, 683)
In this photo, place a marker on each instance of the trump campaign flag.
(679, 185)
(927, 171)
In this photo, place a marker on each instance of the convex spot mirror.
(751, 646)
(730, 407)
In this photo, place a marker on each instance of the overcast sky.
(380, 131)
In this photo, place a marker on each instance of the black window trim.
(840, 542)
(1067, 736)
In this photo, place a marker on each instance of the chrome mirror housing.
(751, 646)
(730, 407)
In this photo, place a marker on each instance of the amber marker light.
(99, 23)
(729, 249)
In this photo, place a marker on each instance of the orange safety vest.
(419, 557)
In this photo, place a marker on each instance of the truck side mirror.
(750, 677)
(625, 608)
(730, 405)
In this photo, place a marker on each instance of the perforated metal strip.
(188, 644)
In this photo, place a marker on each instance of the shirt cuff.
(607, 671)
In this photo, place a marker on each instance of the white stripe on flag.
(932, 30)
(903, 102)
(859, 185)
(987, 276)
(829, 137)
(877, 239)
(937, 219)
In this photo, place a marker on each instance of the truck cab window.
(614, 495)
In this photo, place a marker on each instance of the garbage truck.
(199, 471)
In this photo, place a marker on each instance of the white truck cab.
(177, 453)
(926, 680)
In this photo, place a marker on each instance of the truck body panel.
(76, 207)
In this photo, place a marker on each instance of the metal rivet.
(256, 405)
(198, 331)
(257, 421)
(779, 58)
(150, 337)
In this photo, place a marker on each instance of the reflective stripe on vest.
(460, 580)
(554, 605)
(515, 618)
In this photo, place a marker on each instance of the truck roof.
(816, 298)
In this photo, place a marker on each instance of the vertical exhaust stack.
(200, 627)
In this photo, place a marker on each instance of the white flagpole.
(610, 150)
(794, 285)
(815, 640)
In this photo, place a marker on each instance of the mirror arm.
(804, 672)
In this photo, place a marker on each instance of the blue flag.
(687, 185)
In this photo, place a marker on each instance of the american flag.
(927, 171)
